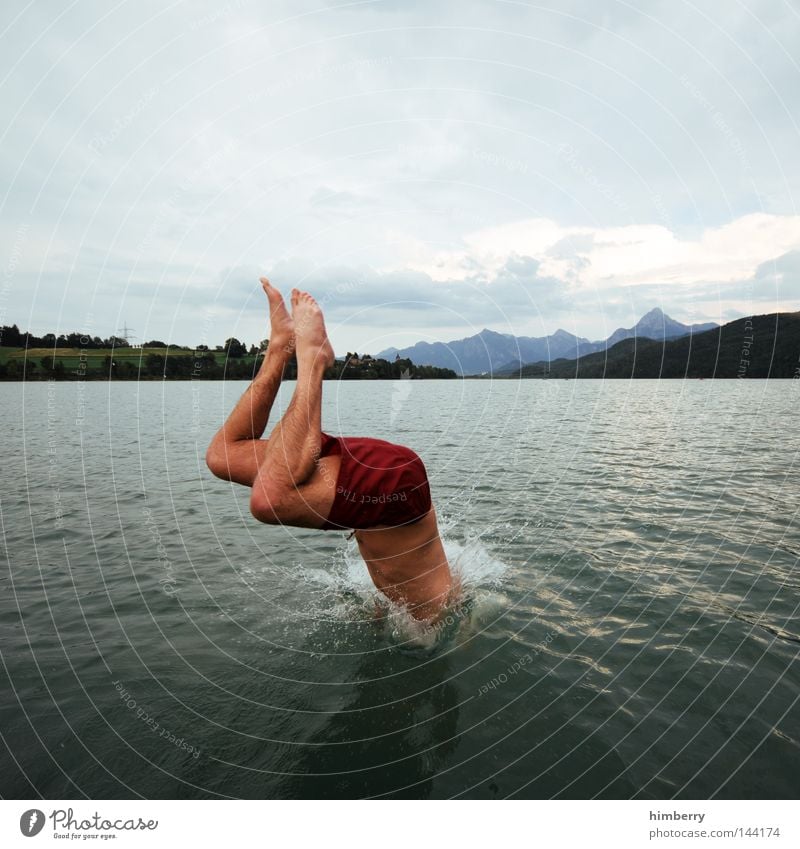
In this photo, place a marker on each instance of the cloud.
(635, 255)
(504, 162)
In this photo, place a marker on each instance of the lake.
(630, 551)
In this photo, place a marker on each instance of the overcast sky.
(425, 169)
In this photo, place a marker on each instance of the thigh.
(309, 504)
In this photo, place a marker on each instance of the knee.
(266, 503)
(217, 462)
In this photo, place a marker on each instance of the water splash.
(342, 591)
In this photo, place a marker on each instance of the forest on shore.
(78, 356)
(758, 346)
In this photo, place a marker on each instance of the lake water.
(630, 549)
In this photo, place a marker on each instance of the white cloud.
(149, 149)
(635, 255)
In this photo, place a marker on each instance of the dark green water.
(631, 550)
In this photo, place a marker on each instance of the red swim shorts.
(379, 483)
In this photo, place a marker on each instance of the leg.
(236, 450)
(289, 486)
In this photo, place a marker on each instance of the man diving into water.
(302, 476)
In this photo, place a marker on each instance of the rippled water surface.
(631, 556)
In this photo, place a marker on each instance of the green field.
(179, 364)
(94, 357)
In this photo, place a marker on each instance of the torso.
(409, 565)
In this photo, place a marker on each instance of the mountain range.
(489, 352)
(760, 346)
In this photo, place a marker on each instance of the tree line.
(68, 359)
(12, 337)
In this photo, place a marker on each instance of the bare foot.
(281, 337)
(313, 345)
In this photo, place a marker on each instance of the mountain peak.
(657, 320)
(486, 333)
(492, 352)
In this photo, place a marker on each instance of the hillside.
(489, 352)
(760, 346)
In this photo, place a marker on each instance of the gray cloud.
(158, 159)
